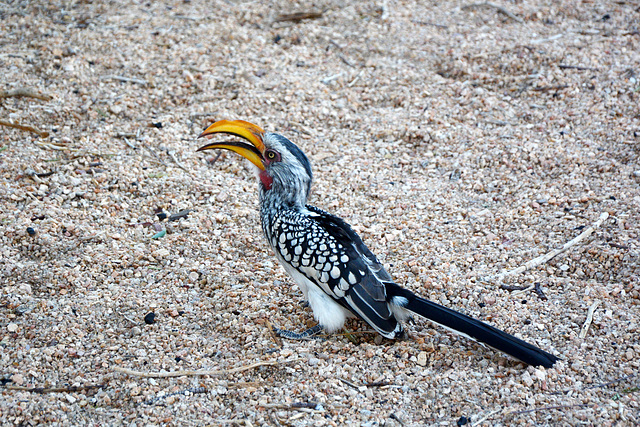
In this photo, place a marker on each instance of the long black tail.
(474, 329)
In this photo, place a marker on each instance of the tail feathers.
(477, 330)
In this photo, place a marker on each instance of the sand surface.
(461, 140)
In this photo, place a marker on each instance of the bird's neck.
(275, 198)
(282, 191)
(274, 206)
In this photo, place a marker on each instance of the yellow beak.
(252, 133)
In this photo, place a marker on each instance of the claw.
(308, 334)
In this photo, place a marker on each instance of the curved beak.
(252, 133)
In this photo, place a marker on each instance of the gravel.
(460, 142)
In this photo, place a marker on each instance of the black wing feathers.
(367, 297)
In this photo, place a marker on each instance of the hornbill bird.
(337, 273)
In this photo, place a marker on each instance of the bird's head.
(283, 168)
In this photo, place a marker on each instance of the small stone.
(150, 318)
(159, 234)
(115, 109)
(193, 276)
(422, 358)
(161, 253)
(182, 214)
(540, 375)
(31, 231)
(314, 361)
(12, 327)
(527, 380)
(26, 288)
(17, 379)
(489, 300)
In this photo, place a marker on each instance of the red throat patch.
(266, 179)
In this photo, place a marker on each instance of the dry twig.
(433, 24)
(25, 92)
(153, 153)
(43, 390)
(513, 288)
(575, 67)
(126, 79)
(352, 385)
(298, 16)
(548, 408)
(495, 6)
(301, 406)
(608, 383)
(55, 146)
(587, 322)
(485, 417)
(273, 335)
(199, 372)
(548, 88)
(234, 421)
(42, 134)
(548, 256)
(172, 154)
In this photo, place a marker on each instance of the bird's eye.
(271, 155)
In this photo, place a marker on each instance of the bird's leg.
(309, 333)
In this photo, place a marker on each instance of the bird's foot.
(308, 334)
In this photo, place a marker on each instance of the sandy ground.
(460, 142)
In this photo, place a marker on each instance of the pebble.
(12, 327)
(17, 379)
(422, 358)
(526, 379)
(150, 318)
(159, 234)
